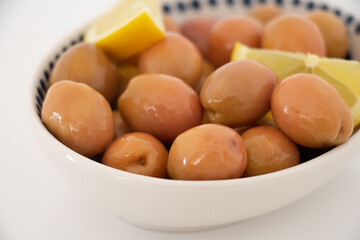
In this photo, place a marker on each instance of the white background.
(35, 203)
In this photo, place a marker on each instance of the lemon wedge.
(128, 28)
(344, 75)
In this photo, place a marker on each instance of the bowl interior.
(179, 11)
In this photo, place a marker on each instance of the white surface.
(35, 203)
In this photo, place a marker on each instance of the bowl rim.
(106, 171)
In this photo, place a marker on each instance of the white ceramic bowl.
(188, 205)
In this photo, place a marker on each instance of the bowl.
(171, 205)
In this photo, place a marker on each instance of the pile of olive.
(171, 97)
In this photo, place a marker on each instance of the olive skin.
(293, 34)
(119, 124)
(333, 31)
(208, 69)
(238, 93)
(161, 105)
(170, 25)
(175, 55)
(86, 63)
(198, 30)
(79, 117)
(265, 12)
(268, 150)
(207, 152)
(311, 112)
(225, 33)
(138, 153)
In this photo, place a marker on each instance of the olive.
(294, 34)
(79, 117)
(207, 152)
(198, 30)
(238, 93)
(138, 153)
(120, 126)
(268, 150)
(174, 55)
(333, 31)
(207, 70)
(311, 111)
(265, 12)
(86, 63)
(170, 25)
(225, 33)
(161, 105)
